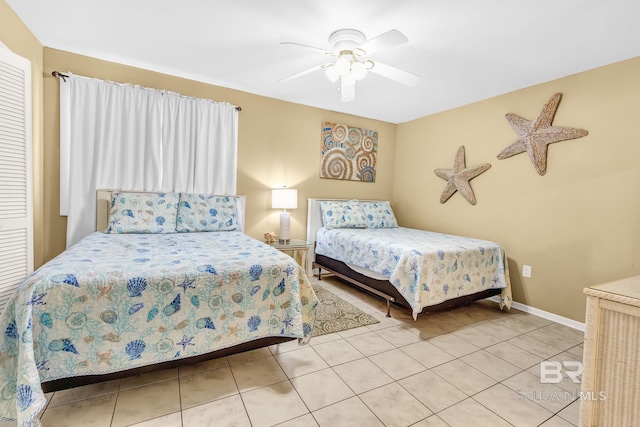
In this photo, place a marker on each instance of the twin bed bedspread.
(118, 301)
(427, 268)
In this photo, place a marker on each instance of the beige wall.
(578, 225)
(17, 37)
(279, 144)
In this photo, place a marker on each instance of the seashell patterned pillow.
(207, 212)
(379, 214)
(342, 214)
(143, 212)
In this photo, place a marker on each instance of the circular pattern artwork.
(348, 153)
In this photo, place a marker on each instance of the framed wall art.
(348, 153)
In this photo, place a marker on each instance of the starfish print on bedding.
(233, 330)
(105, 291)
(37, 299)
(104, 357)
(188, 283)
(458, 178)
(186, 341)
(535, 136)
(288, 321)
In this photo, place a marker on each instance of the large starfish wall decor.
(458, 178)
(535, 136)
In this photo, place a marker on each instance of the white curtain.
(126, 137)
(196, 155)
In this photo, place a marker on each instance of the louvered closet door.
(16, 218)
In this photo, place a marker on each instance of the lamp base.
(283, 242)
(285, 231)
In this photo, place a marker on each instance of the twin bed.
(360, 241)
(173, 280)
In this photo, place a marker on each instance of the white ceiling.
(465, 50)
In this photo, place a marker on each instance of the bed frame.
(378, 287)
(65, 383)
(103, 202)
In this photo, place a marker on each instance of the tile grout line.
(488, 409)
(239, 392)
(554, 413)
(350, 388)
(367, 406)
(113, 413)
(378, 387)
(180, 398)
(294, 388)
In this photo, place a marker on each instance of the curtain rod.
(58, 74)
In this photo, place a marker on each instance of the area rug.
(334, 314)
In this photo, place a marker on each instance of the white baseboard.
(545, 314)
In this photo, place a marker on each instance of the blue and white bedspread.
(427, 268)
(118, 301)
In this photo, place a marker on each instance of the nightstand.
(298, 247)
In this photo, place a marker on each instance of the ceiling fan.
(350, 48)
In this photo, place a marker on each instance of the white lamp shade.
(284, 198)
(342, 66)
(358, 70)
(332, 74)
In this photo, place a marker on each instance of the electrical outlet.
(526, 271)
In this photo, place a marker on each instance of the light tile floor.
(470, 366)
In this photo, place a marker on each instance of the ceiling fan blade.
(325, 51)
(394, 73)
(301, 73)
(383, 41)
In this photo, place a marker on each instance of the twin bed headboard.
(314, 223)
(103, 206)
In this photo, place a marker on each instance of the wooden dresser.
(612, 355)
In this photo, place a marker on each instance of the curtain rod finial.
(57, 74)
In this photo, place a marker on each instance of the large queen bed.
(172, 280)
(361, 242)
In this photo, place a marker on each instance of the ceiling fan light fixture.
(358, 71)
(349, 79)
(342, 65)
(350, 48)
(332, 73)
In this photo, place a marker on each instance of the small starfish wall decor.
(535, 136)
(458, 178)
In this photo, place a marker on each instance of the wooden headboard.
(103, 205)
(314, 223)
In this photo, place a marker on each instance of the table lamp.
(284, 198)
